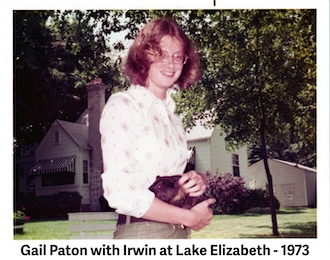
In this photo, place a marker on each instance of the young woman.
(142, 138)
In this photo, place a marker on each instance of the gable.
(199, 132)
(63, 138)
(78, 132)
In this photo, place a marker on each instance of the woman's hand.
(201, 215)
(193, 183)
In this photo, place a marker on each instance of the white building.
(293, 184)
(211, 154)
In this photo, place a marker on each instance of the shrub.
(229, 192)
(232, 197)
(54, 206)
(259, 198)
(19, 217)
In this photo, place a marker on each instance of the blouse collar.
(148, 98)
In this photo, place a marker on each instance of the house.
(210, 154)
(69, 157)
(294, 185)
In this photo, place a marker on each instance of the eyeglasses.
(164, 57)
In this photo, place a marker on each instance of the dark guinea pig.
(168, 189)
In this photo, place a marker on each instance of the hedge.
(52, 206)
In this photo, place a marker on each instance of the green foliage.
(259, 74)
(52, 206)
(232, 197)
(34, 98)
(259, 198)
(19, 216)
(55, 54)
(229, 192)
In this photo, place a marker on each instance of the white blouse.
(141, 138)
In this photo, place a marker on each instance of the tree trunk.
(270, 183)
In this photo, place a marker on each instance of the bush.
(229, 192)
(232, 197)
(259, 198)
(53, 206)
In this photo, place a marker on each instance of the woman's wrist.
(190, 218)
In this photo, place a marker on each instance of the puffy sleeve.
(121, 184)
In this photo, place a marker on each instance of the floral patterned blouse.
(141, 138)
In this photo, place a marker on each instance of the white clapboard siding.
(211, 154)
(294, 185)
(202, 156)
(87, 225)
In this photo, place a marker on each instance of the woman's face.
(165, 69)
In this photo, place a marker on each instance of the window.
(57, 179)
(85, 171)
(235, 162)
(56, 137)
(288, 191)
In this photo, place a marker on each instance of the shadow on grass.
(47, 220)
(263, 211)
(300, 230)
(296, 230)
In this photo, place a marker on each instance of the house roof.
(296, 165)
(199, 132)
(78, 132)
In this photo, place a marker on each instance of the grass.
(292, 223)
(44, 230)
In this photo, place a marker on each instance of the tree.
(259, 80)
(55, 55)
(32, 91)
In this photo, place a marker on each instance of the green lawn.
(295, 223)
(292, 223)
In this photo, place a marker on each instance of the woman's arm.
(196, 218)
(121, 183)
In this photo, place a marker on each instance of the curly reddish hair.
(137, 64)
